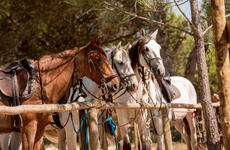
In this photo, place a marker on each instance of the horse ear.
(99, 41)
(154, 34)
(94, 40)
(118, 48)
(127, 46)
(142, 33)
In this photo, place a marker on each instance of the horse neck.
(56, 75)
(139, 93)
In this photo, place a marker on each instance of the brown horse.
(57, 74)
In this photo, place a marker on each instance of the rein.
(40, 78)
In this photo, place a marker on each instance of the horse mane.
(137, 48)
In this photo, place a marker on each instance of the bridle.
(122, 79)
(104, 80)
(148, 59)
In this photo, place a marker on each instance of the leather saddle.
(6, 78)
(17, 81)
(169, 91)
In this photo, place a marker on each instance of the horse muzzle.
(158, 71)
(112, 83)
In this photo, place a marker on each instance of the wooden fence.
(86, 105)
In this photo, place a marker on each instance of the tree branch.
(201, 9)
(179, 42)
(195, 30)
(211, 26)
(146, 19)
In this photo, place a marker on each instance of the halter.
(104, 80)
(115, 67)
(148, 59)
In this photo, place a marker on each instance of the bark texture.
(213, 140)
(222, 66)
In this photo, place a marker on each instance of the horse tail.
(187, 128)
(51, 135)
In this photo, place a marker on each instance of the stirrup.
(173, 116)
(15, 121)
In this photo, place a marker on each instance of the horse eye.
(98, 58)
(120, 63)
(147, 49)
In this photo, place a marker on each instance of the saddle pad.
(6, 82)
(176, 92)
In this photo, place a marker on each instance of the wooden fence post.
(167, 131)
(135, 135)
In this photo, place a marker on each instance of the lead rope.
(113, 126)
(84, 117)
(41, 82)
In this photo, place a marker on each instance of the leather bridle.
(148, 59)
(122, 79)
(104, 80)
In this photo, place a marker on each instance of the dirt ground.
(176, 146)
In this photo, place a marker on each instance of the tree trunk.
(222, 66)
(213, 140)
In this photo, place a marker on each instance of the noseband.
(104, 80)
(122, 79)
(148, 59)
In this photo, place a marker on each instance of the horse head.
(99, 69)
(146, 52)
(122, 65)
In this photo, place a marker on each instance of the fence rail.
(86, 105)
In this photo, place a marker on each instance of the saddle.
(6, 77)
(169, 91)
(18, 82)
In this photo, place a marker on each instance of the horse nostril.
(114, 86)
(133, 86)
(158, 71)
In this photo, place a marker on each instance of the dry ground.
(176, 146)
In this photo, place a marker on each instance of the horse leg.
(143, 133)
(4, 138)
(157, 124)
(28, 135)
(180, 127)
(71, 136)
(61, 139)
(83, 130)
(123, 119)
(15, 141)
(193, 135)
(39, 139)
(93, 130)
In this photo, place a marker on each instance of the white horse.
(145, 55)
(182, 119)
